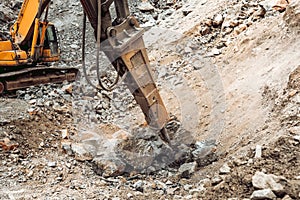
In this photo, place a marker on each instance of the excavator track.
(33, 76)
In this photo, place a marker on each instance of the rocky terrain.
(229, 75)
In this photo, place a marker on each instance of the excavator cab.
(50, 50)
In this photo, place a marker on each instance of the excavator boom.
(121, 41)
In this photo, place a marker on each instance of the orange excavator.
(33, 43)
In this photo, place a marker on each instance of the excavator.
(33, 44)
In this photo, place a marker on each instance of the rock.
(263, 195)
(32, 111)
(51, 164)
(64, 133)
(261, 180)
(214, 52)
(129, 195)
(204, 153)
(260, 13)
(187, 187)
(258, 151)
(188, 50)
(281, 5)
(187, 169)
(67, 88)
(206, 30)
(74, 46)
(286, 197)
(296, 138)
(171, 191)
(139, 186)
(216, 180)
(208, 22)
(217, 20)
(66, 146)
(204, 148)
(185, 12)
(225, 169)
(194, 191)
(169, 182)
(81, 153)
(109, 166)
(240, 29)
(32, 101)
(145, 6)
(160, 185)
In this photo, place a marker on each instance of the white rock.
(225, 169)
(268, 181)
(64, 133)
(51, 164)
(218, 19)
(187, 169)
(258, 151)
(263, 194)
(145, 7)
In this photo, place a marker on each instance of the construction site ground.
(228, 70)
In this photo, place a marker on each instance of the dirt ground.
(237, 84)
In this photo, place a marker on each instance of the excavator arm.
(121, 41)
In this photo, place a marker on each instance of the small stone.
(145, 6)
(206, 30)
(185, 12)
(281, 5)
(32, 101)
(240, 29)
(208, 22)
(258, 151)
(216, 180)
(171, 191)
(129, 195)
(265, 194)
(139, 186)
(188, 50)
(218, 19)
(225, 169)
(66, 146)
(297, 138)
(187, 169)
(51, 164)
(32, 111)
(286, 197)
(74, 46)
(42, 144)
(187, 187)
(160, 185)
(233, 23)
(30, 173)
(169, 182)
(260, 13)
(292, 93)
(194, 191)
(67, 88)
(64, 134)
